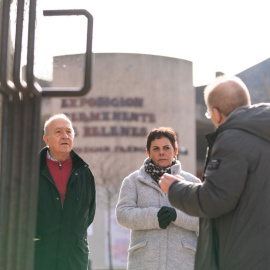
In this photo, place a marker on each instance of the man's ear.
(217, 116)
(148, 153)
(45, 139)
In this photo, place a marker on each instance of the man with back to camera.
(66, 201)
(233, 199)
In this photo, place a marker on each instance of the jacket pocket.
(137, 246)
(187, 244)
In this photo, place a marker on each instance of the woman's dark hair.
(160, 132)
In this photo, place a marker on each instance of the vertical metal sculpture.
(21, 136)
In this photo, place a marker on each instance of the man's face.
(60, 138)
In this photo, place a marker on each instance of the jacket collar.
(147, 179)
(76, 160)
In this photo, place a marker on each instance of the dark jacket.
(233, 202)
(61, 232)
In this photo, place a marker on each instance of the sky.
(215, 35)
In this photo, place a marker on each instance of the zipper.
(53, 186)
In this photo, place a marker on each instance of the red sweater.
(60, 172)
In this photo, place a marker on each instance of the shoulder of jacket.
(138, 175)
(42, 157)
(78, 161)
(176, 168)
(232, 137)
(134, 175)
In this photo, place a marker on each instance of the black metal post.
(20, 140)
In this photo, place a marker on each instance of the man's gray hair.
(226, 93)
(54, 117)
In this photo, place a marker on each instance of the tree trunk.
(109, 231)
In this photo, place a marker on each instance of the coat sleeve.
(92, 206)
(225, 179)
(184, 220)
(128, 214)
(187, 222)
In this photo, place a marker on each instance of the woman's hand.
(165, 216)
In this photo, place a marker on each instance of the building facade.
(130, 95)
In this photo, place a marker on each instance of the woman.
(162, 238)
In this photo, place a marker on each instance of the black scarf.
(154, 171)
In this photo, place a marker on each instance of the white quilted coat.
(153, 248)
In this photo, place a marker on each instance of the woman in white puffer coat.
(162, 237)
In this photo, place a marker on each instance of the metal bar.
(31, 84)
(24, 209)
(6, 138)
(14, 183)
(25, 166)
(57, 92)
(6, 160)
(34, 175)
(32, 105)
(18, 45)
(4, 47)
(12, 139)
(19, 162)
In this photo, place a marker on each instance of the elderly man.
(66, 201)
(234, 197)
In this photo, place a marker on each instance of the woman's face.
(161, 152)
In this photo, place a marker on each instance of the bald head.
(226, 94)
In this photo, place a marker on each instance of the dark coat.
(233, 202)
(61, 232)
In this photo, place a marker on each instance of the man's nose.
(161, 152)
(64, 134)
